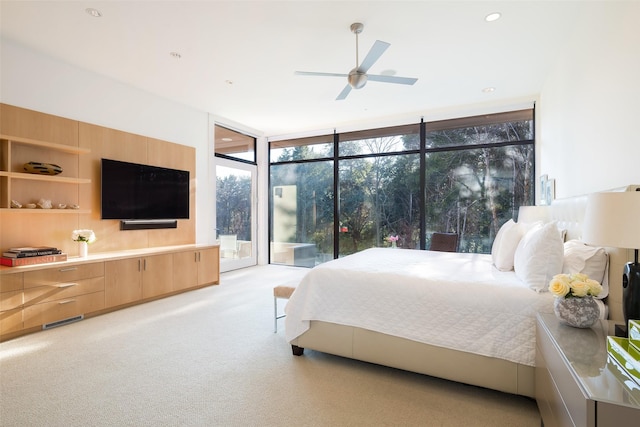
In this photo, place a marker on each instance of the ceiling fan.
(358, 77)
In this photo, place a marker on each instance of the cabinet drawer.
(10, 320)
(64, 290)
(568, 391)
(11, 282)
(65, 274)
(10, 300)
(47, 312)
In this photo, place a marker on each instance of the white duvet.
(453, 300)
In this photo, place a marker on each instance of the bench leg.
(297, 351)
(275, 315)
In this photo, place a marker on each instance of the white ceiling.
(238, 57)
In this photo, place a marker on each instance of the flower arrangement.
(392, 239)
(83, 236)
(576, 285)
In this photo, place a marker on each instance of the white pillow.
(539, 256)
(590, 260)
(505, 244)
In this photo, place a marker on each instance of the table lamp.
(613, 219)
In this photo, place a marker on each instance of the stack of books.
(15, 257)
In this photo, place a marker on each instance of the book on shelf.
(33, 260)
(28, 249)
(14, 253)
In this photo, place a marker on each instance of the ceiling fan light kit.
(358, 77)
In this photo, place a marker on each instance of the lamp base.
(621, 331)
(631, 291)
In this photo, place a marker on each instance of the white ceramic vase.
(84, 249)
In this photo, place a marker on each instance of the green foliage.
(233, 206)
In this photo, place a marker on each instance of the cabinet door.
(185, 270)
(123, 281)
(209, 266)
(157, 275)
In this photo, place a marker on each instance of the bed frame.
(497, 374)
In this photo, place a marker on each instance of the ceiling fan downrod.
(357, 79)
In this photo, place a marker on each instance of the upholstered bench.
(281, 292)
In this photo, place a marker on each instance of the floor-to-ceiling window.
(479, 171)
(379, 187)
(334, 195)
(235, 198)
(302, 202)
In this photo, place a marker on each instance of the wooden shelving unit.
(27, 187)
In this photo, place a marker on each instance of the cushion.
(539, 256)
(590, 260)
(505, 244)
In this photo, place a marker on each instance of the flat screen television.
(132, 191)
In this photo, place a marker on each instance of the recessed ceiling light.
(488, 89)
(493, 17)
(93, 12)
(229, 82)
(227, 139)
(175, 55)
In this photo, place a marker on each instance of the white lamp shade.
(533, 213)
(613, 219)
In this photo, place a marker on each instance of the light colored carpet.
(210, 358)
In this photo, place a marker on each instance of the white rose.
(594, 287)
(580, 289)
(559, 285)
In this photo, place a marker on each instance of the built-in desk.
(576, 383)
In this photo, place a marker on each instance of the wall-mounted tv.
(133, 191)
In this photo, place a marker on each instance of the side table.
(577, 384)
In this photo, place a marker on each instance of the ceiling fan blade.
(374, 54)
(312, 73)
(344, 93)
(392, 79)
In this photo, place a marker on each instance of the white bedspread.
(453, 300)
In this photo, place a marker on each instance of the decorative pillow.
(505, 244)
(539, 256)
(590, 260)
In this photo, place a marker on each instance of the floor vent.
(63, 322)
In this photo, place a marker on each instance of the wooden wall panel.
(15, 121)
(175, 156)
(51, 229)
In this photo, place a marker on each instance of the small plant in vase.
(84, 237)
(393, 240)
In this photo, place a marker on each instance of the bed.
(449, 315)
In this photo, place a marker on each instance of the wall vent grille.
(63, 322)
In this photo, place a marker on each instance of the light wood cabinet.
(11, 298)
(36, 295)
(122, 281)
(59, 293)
(209, 266)
(157, 275)
(196, 268)
(133, 279)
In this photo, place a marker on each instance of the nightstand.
(576, 383)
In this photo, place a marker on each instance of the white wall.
(31, 80)
(588, 111)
